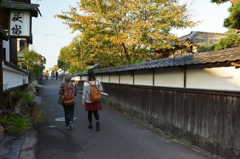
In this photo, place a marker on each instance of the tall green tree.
(63, 58)
(128, 31)
(223, 1)
(33, 62)
(233, 21)
(231, 40)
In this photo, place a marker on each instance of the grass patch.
(16, 124)
(21, 113)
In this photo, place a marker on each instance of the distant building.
(198, 38)
(190, 43)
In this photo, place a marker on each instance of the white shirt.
(86, 90)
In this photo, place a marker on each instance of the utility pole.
(3, 36)
(1, 71)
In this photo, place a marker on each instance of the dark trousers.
(69, 113)
(91, 113)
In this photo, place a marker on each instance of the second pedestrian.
(91, 99)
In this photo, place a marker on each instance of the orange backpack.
(69, 94)
(95, 93)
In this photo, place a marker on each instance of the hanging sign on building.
(20, 24)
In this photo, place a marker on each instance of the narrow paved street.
(119, 138)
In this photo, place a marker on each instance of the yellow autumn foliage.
(116, 32)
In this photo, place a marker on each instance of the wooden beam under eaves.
(236, 64)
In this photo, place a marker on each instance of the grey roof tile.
(227, 55)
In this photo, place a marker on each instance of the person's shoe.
(97, 126)
(71, 124)
(90, 126)
(68, 127)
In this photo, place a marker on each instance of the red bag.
(69, 94)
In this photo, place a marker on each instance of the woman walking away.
(68, 92)
(92, 99)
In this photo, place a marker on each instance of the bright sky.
(50, 35)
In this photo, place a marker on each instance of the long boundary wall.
(13, 78)
(201, 105)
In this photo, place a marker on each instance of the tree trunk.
(126, 52)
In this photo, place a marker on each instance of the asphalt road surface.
(119, 138)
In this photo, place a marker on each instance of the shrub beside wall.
(18, 112)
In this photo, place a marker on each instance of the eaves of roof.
(15, 67)
(213, 57)
(204, 59)
(21, 6)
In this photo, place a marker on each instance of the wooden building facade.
(11, 75)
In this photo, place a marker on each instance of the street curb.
(29, 146)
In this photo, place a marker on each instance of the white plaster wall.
(126, 79)
(170, 79)
(84, 78)
(77, 78)
(12, 79)
(6, 45)
(221, 78)
(105, 78)
(114, 78)
(99, 78)
(143, 79)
